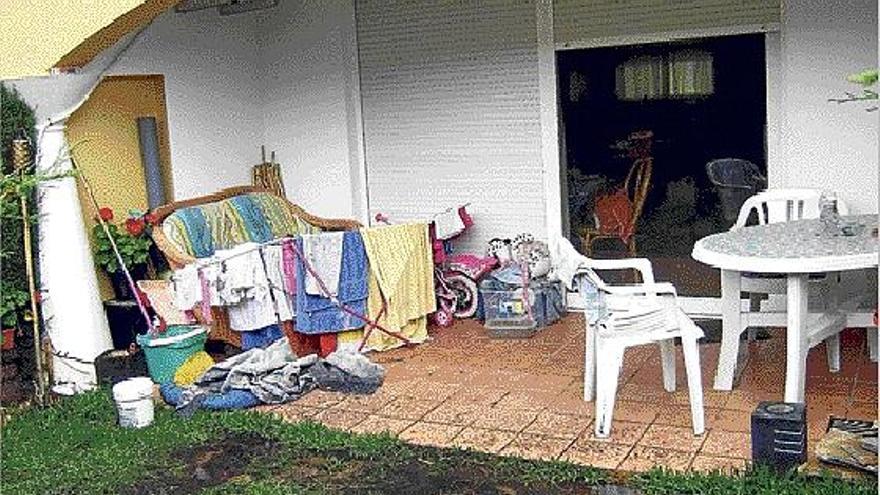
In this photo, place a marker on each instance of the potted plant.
(12, 303)
(133, 242)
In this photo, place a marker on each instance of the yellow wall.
(103, 134)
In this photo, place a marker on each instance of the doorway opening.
(640, 124)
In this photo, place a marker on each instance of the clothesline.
(370, 325)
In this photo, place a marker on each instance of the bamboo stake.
(21, 155)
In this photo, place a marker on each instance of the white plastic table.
(794, 249)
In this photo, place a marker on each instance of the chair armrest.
(649, 289)
(642, 265)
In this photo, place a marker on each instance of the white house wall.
(824, 144)
(307, 58)
(210, 68)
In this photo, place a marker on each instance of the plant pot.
(8, 339)
(121, 288)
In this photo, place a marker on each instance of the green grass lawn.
(75, 447)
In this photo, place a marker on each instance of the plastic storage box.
(511, 312)
(165, 353)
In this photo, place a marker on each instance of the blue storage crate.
(506, 309)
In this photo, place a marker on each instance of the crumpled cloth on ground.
(349, 373)
(274, 374)
(324, 254)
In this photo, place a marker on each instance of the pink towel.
(288, 261)
(206, 298)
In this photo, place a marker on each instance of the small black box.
(111, 367)
(779, 435)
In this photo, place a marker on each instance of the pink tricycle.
(456, 276)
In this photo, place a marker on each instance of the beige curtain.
(690, 74)
(641, 78)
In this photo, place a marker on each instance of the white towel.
(324, 253)
(448, 224)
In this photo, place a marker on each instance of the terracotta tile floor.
(523, 398)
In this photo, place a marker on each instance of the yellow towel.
(193, 368)
(401, 266)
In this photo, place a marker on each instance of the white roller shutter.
(451, 112)
(587, 23)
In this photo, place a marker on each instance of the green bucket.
(165, 353)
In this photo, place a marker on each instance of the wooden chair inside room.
(616, 213)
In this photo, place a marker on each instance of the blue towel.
(261, 337)
(317, 314)
(197, 230)
(255, 223)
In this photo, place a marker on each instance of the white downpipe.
(72, 311)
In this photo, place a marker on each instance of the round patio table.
(794, 249)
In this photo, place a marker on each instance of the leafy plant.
(131, 239)
(867, 79)
(11, 303)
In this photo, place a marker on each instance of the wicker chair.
(178, 258)
(636, 186)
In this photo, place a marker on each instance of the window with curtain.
(679, 74)
(690, 74)
(642, 78)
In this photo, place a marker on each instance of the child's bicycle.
(456, 276)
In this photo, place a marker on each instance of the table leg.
(796, 337)
(731, 328)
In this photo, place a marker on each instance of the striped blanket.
(256, 217)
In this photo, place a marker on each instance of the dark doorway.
(702, 100)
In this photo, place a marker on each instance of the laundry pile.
(318, 283)
(273, 375)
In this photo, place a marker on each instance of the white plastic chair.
(784, 205)
(635, 314)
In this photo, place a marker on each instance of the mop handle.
(103, 224)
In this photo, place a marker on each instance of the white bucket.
(134, 402)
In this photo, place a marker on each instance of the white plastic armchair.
(635, 314)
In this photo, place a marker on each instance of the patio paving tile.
(531, 400)
(604, 455)
(732, 420)
(498, 418)
(643, 458)
(477, 395)
(727, 444)
(432, 434)
(622, 432)
(636, 412)
(483, 440)
(681, 416)
(531, 446)
(672, 438)
(708, 463)
(408, 408)
(320, 398)
(534, 387)
(557, 425)
(294, 413)
(363, 403)
(455, 413)
(340, 419)
(380, 424)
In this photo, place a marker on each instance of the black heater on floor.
(779, 435)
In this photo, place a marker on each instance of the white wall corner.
(549, 117)
(354, 116)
